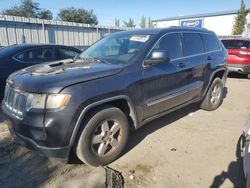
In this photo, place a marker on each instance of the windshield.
(117, 48)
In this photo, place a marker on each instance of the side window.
(65, 53)
(192, 44)
(37, 55)
(172, 44)
(210, 42)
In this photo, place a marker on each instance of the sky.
(108, 10)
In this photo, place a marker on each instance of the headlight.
(57, 101)
(54, 101)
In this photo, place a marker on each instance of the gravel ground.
(20, 167)
(187, 148)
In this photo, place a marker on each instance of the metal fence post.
(44, 39)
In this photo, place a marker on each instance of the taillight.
(244, 52)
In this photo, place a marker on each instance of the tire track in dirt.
(20, 167)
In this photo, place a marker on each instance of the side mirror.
(157, 57)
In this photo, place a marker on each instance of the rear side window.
(192, 44)
(210, 42)
(65, 53)
(236, 44)
(171, 44)
(37, 55)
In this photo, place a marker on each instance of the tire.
(104, 137)
(248, 76)
(214, 96)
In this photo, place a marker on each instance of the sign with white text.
(192, 23)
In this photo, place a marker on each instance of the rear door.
(194, 51)
(214, 55)
(165, 84)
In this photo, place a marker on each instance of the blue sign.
(192, 23)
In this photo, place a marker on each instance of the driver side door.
(164, 84)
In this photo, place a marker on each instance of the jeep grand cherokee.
(88, 106)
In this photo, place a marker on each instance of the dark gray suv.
(88, 106)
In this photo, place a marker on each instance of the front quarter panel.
(120, 86)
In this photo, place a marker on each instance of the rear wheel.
(214, 96)
(104, 137)
(248, 76)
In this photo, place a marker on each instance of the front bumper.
(30, 133)
(240, 68)
(60, 152)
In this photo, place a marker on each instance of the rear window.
(236, 44)
(210, 42)
(192, 44)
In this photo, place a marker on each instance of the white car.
(245, 152)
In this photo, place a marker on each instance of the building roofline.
(222, 13)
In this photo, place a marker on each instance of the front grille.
(15, 101)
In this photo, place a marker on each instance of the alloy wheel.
(216, 94)
(106, 138)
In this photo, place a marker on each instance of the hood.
(53, 77)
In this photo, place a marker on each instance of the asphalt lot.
(187, 148)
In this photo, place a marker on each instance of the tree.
(14, 11)
(143, 22)
(150, 23)
(78, 15)
(129, 23)
(117, 22)
(45, 14)
(28, 9)
(240, 20)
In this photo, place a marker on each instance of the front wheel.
(214, 96)
(104, 137)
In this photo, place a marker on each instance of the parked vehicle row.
(89, 105)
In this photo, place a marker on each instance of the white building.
(219, 22)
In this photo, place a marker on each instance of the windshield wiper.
(100, 60)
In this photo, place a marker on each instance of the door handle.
(209, 58)
(181, 65)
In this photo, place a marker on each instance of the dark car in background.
(16, 57)
(238, 55)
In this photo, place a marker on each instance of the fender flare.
(132, 114)
(212, 77)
